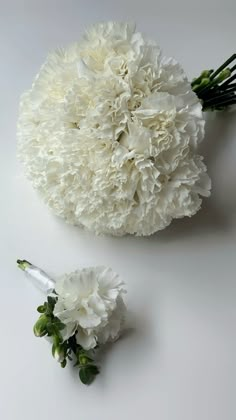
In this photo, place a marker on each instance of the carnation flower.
(108, 135)
(90, 303)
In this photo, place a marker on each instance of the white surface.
(178, 361)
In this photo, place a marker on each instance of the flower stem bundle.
(217, 89)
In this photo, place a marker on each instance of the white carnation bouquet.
(109, 132)
(83, 311)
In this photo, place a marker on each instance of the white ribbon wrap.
(38, 277)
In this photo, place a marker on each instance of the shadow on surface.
(131, 346)
(213, 215)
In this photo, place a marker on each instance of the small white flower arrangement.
(83, 311)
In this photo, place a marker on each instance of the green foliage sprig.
(49, 325)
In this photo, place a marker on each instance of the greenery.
(217, 89)
(51, 326)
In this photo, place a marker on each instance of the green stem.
(220, 104)
(218, 92)
(215, 88)
(228, 81)
(223, 66)
(233, 68)
(230, 87)
(222, 96)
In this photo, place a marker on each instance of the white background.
(177, 361)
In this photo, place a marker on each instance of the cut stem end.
(23, 264)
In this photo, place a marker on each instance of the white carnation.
(109, 131)
(90, 305)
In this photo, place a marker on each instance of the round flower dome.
(108, 134)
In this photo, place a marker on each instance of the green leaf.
(40, 327)
(56, 340)
(63, 364)
(73, 345)
(50, 328)
(88, 373)
(93, 369)
(58, 324)
(51, 303)
(51, 300)
(85, 376)
(84, 359)
(59, 352)
(41, 309)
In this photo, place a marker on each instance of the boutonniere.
(81, 312)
